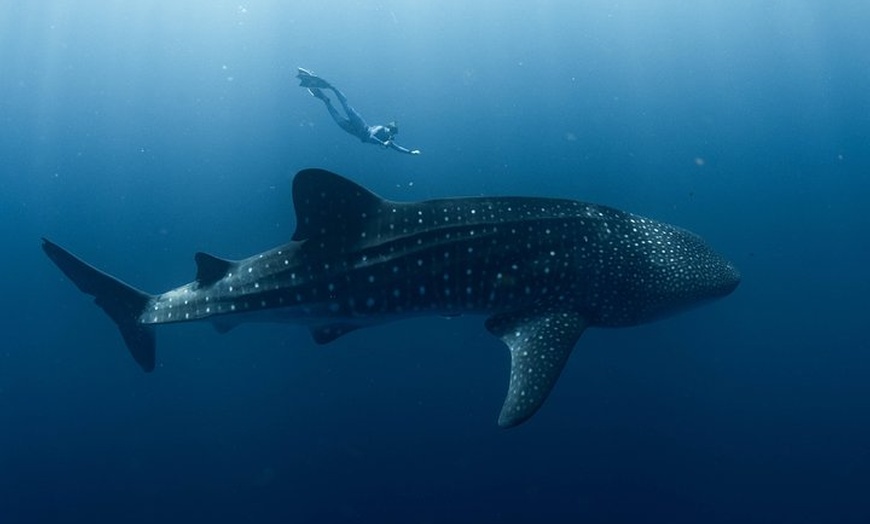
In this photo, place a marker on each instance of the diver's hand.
(415, 152)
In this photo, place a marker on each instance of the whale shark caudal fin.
(540, 343)
(123, 303)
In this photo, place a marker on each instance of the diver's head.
(393, 128)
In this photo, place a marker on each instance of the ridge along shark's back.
(542, 270)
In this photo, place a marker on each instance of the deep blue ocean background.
(137, 133)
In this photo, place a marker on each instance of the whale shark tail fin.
(122, 302)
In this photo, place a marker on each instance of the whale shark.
(542, 271)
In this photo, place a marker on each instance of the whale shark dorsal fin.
(540, 343)
(329, 206)
(210, 269)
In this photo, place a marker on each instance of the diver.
(353, 123)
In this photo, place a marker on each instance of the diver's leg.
(355, 118)
(317, 93)
(341, 98)
(342, 122)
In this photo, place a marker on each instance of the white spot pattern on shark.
(543, 270)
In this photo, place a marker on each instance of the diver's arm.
(373, 132)
(372, 138)
(401, 149)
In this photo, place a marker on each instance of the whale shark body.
(541, 270)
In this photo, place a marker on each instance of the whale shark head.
(692, 273)
(667, 270)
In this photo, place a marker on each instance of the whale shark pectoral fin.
(540, 343)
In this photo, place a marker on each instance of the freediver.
(353, 123)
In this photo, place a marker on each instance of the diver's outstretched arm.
(401, 149)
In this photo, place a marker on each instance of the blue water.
(136, 133)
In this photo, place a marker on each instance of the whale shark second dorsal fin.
(331, 208)
(210, 269)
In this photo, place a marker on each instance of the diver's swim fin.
(309, 79)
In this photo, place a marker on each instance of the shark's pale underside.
(541, 270)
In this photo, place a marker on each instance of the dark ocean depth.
(138, 133)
